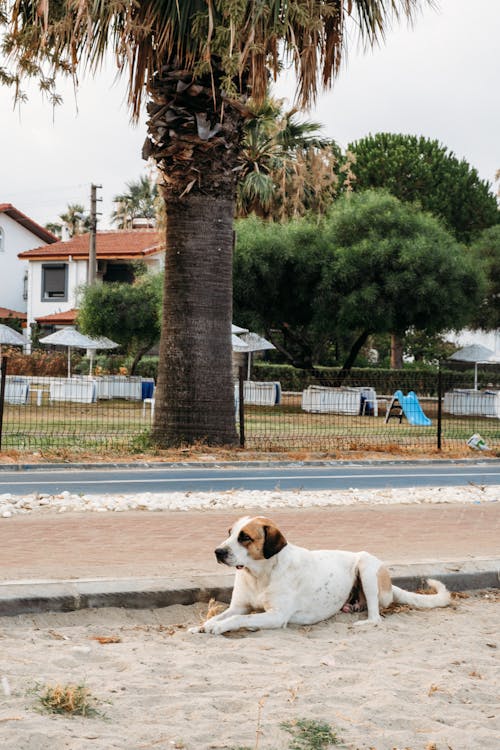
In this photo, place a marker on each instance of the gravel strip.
(11, 505)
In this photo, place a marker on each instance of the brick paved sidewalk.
(179, 544)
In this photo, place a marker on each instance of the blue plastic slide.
(412, 409)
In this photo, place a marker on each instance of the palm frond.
(243, 41)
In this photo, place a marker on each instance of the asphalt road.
(284, 476)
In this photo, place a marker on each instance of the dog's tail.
(441, 598)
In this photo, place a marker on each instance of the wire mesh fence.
(77, 413)
(440, 410)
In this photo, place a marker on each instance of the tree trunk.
(351, 358)
(295, 347)
(195, 136)
(195, 392)
(139, 355)
(396, 352)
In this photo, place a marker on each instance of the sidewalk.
(68, 561)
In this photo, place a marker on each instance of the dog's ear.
(274, 541)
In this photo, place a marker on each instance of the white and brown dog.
(277, 582)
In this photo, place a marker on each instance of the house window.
(54, 281)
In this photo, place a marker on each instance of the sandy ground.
(418, 678)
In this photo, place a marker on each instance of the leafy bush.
(423, 380)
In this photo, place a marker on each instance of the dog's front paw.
(215, 628)
(197, 629)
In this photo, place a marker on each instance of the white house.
(56, 272)
(17, 233)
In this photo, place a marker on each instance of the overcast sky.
(439, 79)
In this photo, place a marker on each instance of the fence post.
(241, 407)
(440, 401)
(3, 373)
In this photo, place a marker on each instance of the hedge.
(424, 381)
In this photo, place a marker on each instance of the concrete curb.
(34, 597)
(258, 464)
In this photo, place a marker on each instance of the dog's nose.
(221, 554)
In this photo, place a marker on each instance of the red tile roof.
(27, 223)
(6, 313)
(66, 318)
(123, 244)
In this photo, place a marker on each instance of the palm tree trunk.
(195, 136)
(195, 391)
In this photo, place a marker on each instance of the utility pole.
(93, 232)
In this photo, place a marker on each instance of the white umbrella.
(237, 344)
(71, 338)
(475, 353)
(248, 343)
(101, 342)
(11, 337)
(237, 329)
(255, 343)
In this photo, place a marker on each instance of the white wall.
(77, 276)
(155, 262)
(37, 307)
(16, 239)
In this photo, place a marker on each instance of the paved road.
(204, 479)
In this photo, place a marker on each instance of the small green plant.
(309, 734)
(69, 700)
(142, 442)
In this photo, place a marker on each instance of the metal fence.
(443, 410)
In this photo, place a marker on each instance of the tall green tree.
(198, 62)
(393, 268)
(277, 272)
(126, 313)
(486, 251)
(374, 265)
(137, 202)
(418, 169)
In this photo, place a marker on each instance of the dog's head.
(250, 540)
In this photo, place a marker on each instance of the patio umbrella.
(11, 337)
(251, 342)
(101, 342)
(237, 344)
(71, 338)
(238, 329)
(475, 353)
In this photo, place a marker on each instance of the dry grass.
(202, 454)
(69, 700)
(105, 639)
(214, 608)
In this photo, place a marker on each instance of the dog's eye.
(243, 538)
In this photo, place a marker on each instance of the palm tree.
(75, 219)
(199, 61)
(287, 168)
(138, 202)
